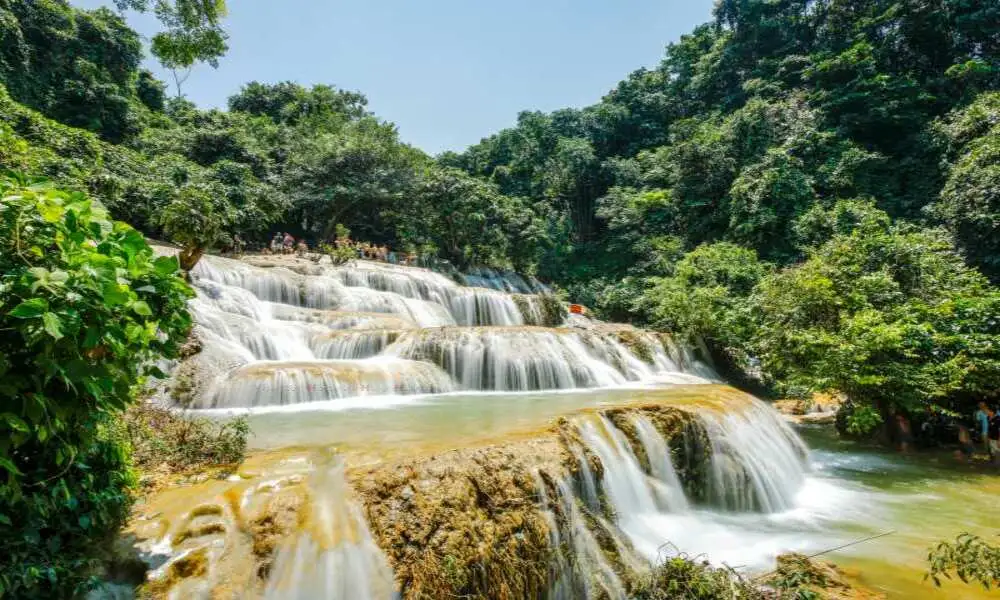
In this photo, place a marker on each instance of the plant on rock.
(85, 310)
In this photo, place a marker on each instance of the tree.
(706, 299)
(464, 218)
(888, 315)
(193, 33)
(86, 310)
(193, 221)
(292, 104)
(86, 80)
(970, 200)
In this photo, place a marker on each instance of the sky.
(447, 72)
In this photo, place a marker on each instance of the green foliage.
(87, 79)
(970, 199)
(193, 32)
(164, 437)
(706, 297)
(693, 579)
(291, 104)
(54, 526)
(85, 311)
(466, 219)
(888, 315)
(969, 557)
(339, 255)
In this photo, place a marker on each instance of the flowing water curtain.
(294, 383)
(276, 331)
(758, 462)
(333, 555)
(755, 463)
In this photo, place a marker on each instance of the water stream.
(375, 362)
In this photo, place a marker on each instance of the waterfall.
(353, 344)
(666, 483)
(756, 464)
(626, 485)
(474, 306)
(275, 284)
(585, 572)
(516, 359)
(504, 281)
(758, 461)
(287, 332)
(291, 331)
(286, 383)
(333, 556)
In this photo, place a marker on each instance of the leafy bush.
(160, 436)
(339, 255)
(193, 221)
(85, 310)
(970, 557)
(888, 315)
(689, 578)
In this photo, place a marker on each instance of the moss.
(166, 442)
(524, 307)
(465, 523)
(798, 576)
(554, 311)
(278, 519)
(682, 576)
(686, 437)
(635, 342)
(185, 387)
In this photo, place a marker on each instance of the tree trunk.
(188, 258)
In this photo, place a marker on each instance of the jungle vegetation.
(809, 187)
(792, 173)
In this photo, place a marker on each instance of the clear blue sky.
(447, 72)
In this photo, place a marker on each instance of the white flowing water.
(758, 466)
(758, 461)
(282, 383)
(313, 351)
(286, 331)
(580, 569)
(333, 555)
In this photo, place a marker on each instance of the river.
(380, 364)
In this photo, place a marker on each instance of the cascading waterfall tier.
(751, 461)
(283, 330)
(529, 358)
(288, 383)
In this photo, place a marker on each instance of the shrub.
(160, 436)
(85, 310)
(970, 557)
(681, 576)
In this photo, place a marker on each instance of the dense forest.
(808, 188)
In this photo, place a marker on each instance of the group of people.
(285, 243)
(369, 251)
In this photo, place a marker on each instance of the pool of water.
(852, 492)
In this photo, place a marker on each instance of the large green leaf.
(52, 325)
(30, 309)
